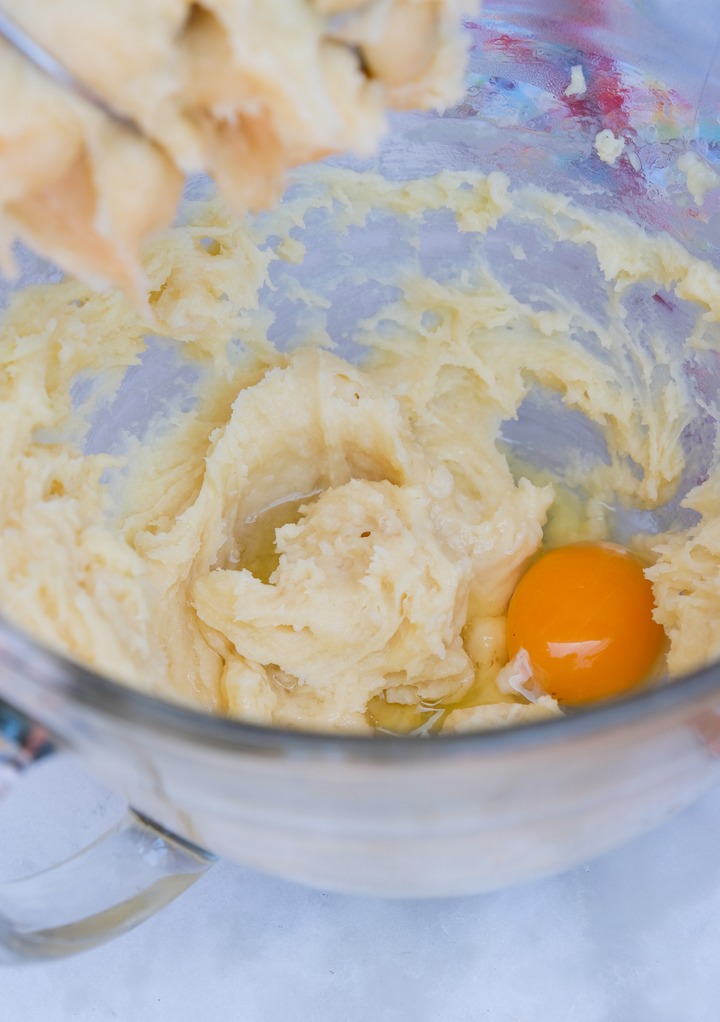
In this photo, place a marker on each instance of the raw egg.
(583, 614)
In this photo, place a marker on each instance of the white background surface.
(632, 937)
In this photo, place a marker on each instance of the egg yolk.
(583, 614)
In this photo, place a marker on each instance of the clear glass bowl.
(454, 814)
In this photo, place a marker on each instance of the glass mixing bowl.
(448, 814)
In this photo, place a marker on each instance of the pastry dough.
(240, 89)
(301, 541)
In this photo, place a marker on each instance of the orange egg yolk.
(583, 614)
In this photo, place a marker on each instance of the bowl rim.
(66, 679)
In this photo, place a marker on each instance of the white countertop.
(632, 937)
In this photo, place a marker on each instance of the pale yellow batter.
(240, 89)
(311, 543)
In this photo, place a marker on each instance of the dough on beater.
(242, 90)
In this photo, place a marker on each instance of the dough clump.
(241, 90)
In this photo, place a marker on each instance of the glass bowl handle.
(106, 889)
